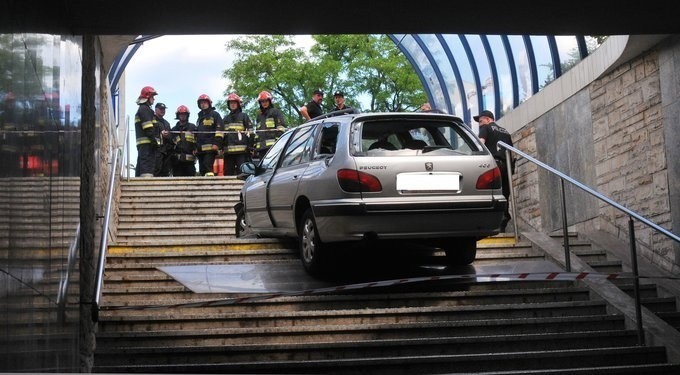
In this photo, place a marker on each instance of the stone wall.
(609, 136)
(628, 133)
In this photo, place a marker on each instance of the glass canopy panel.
(544, 63)
(447, 73)
(504, 74)
(592, 42)
(521, 59)
(468, 78)
(426, 70)
(488, 98)
(567, 48)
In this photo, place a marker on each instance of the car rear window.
(415, 136)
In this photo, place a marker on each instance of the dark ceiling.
(125, 17)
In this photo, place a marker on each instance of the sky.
(180, 68)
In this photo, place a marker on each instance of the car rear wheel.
(461, 251)
(312, 250)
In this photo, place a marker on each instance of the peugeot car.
(423, 177)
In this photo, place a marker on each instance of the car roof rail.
(337, 113)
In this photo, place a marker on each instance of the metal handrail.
(631, 227)
(66, 277)
(592, 192)
(103, 246)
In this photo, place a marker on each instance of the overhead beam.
(126, 17)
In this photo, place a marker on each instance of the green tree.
(372, 65)
(269, 63)
(369, 66)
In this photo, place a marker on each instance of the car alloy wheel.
(241, 227)
(311, 252)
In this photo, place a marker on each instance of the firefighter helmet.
(233, 97)
(203, 97)
(147, 92)
(264, 95)
(181, 109)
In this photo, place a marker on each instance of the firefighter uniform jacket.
(184, 140)
(210, 130)
(270, 125)
(145, 124)
(235, 140)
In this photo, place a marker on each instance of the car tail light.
(490, 179)
(358, 182)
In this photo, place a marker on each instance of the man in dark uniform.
(184, 156)
(210, 129)
(145, 123)
(339, 98)
(313, 107)
(490, 133)
(237, 136)
(270, 124)
(164, 154)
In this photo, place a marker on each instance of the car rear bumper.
(356, 221)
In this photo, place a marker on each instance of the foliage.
(369, 69)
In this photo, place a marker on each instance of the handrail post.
(636, 281)
(126, 139)
(508, 166)
(565, 231)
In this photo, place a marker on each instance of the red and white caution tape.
(533, 276)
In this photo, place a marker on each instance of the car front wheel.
(461, 251)
(312, 250)
(241, 227)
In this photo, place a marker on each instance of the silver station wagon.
(422, 177)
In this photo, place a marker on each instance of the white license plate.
(428, 182)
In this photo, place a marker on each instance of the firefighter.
(184, 155)
(270, 124)
(237, 136)
(164, 154)
(210, 135)
(145, 123)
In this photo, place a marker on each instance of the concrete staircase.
(154, 324)
(177, 211)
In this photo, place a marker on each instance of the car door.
(255, 188)
(284, 184)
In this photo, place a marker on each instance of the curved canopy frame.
(463, 74)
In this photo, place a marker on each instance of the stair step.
(272, 335)
(186, 217)
(218, 229)
(368, 348)
(178, 212)
(480, 296)
(226, 221)
(228, 201)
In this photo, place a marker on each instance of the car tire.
(312, 250)
(240, 225)
(461, 251)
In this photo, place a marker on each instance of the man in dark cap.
(313, 107)
(490, 133)
(339, 98)
(165, 145)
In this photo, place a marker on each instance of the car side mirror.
(247, 169)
